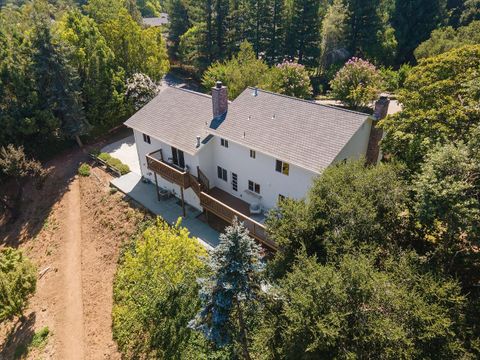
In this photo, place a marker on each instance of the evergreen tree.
(364, 24)
(413, 21)
(304, 32)
(57, 82)
(179, 24)
(275, 32)
(230, 293)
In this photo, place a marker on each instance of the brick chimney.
(376, 134)
(219, 99)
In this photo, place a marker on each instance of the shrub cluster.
(114, 162)
(84, 170)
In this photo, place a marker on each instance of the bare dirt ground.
(75, 228)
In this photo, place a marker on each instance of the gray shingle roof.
(175, 116)
(297, 131)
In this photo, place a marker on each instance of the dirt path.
(71, 337)
(74, 228)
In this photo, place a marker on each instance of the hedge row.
(114, 162)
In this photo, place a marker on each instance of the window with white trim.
(146, 138)
(224, 142)
(253, 154)
(253, 186)
(222, 173)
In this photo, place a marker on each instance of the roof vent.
(274, 116)
(255, 91)
(198, 141)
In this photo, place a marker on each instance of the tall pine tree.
(57, 82)
(413, 21)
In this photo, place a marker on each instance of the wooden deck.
(230, 200)
(214, 201)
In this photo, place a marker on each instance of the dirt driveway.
(73, 230)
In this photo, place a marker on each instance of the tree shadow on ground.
(37, 204)
(19, 337)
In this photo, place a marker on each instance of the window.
(234, 182)
(253, 154)
(224, 143)
(282, 167)
(178, 158)
(222, 173)
(253, 186)
(146, 138)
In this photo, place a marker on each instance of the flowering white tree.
(140, 90)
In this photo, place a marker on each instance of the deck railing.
(200, 185)
(167, 171)
(227, 213)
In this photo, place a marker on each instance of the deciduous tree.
(357, 84)
(155, 293)
(440, 105)
(288, 78)
(362, 309)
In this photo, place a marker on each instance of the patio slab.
(126, 151)
(144, 193)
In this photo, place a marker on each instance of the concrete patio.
(170, 210)
(126, 151)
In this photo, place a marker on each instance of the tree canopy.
(440, 104)
(447, 38)
(155, 293)
(63, 70)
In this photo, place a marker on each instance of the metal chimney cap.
(218, 84)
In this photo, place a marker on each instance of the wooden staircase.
(201, 187)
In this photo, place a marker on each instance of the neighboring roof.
(297, 131)
(175, 116)
(156, 21)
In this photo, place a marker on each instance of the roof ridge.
(308, 101)
(188, 91)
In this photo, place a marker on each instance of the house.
(240, 158)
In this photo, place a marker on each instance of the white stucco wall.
(358, 144)
(236, 158)
(144, 148)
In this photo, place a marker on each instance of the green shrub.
(123, 168)
(104, 156)
(84, 170)
(40, 337)
(114, 162)
(18, 280)
(391, 79)
(39, 340)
